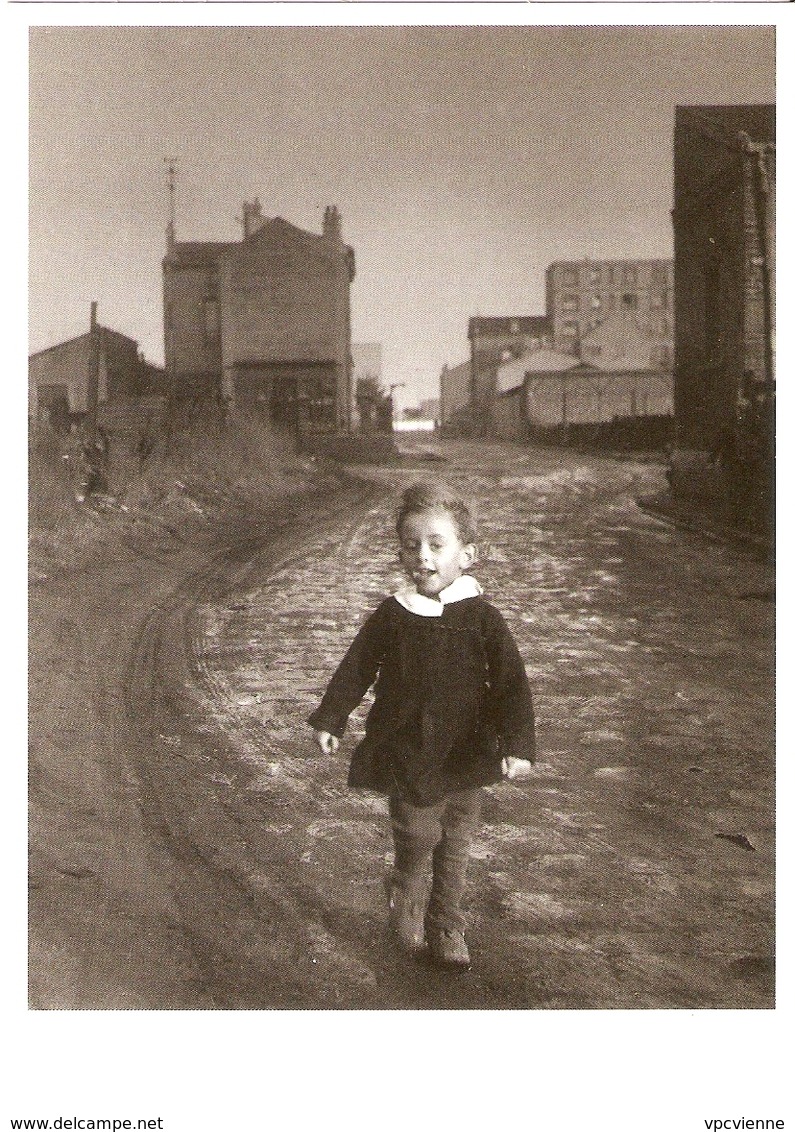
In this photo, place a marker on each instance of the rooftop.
(534, 324)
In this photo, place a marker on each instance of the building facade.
(724, 246)
(430, 409)
(493, 341)
(264, 321)
(554, 393)
(582, 295)
(368, 408)
(59, 377)
(622, 341)
(455, 391)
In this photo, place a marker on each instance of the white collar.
(463, 586)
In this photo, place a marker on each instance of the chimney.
(253, 219)
(332, 223)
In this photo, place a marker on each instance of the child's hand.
(516, 768)
(328, 743)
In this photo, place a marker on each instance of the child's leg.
(416, 831)
(460, 820)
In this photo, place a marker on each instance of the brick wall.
(719, 299)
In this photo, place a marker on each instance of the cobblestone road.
(633, 871)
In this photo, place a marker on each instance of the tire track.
(248, 935)
(575, 884)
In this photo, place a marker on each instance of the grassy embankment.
(197, 476)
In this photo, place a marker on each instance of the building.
(494, 341)
(584, 294)
(549, 392)
(622, 341)
(366, 381)
(455, 390)
(430, 409)
(367, 359)
(263, 321)
(724, 240)
(724, 220)
(60, 377)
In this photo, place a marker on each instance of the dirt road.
(191, 849)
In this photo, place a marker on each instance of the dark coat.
(451, 700)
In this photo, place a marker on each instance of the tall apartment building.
(264, 320)
(583, 295)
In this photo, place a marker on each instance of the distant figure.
(94, 458)
(453, 712)
(146, 444)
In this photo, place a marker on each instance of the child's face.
(431, 551)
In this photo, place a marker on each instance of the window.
(570, 326)
(571, 277)
(596, 302)
(570, 302)
(611, 275)
(630, 302)
(514, 327)
(631, 276)
(595, 275)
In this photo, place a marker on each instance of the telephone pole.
(92, 395)
(172, 194)
(171, 361)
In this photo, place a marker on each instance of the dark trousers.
(441, 834)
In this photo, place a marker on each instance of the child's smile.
(432, 552)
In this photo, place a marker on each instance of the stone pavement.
(635, 869)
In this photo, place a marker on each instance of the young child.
(452, 713)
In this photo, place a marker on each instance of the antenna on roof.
(172, 170)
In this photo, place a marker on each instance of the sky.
(464, 160)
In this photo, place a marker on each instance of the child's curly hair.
(426, 496)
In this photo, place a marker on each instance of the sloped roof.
(200, 253)
(512, 374)
(206, 253)
(552, 361)
(279, 226)
(80, 337)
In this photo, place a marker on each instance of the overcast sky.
(463, 161)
